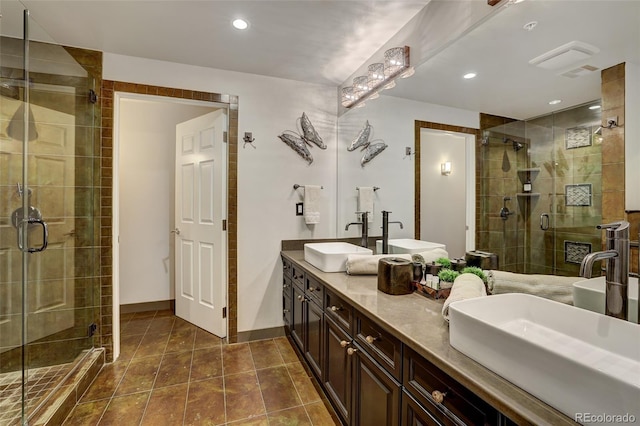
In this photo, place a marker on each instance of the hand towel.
(466, 286)
(367, 264)
(365, 200)
(312, 204)
(551, 287)
(433, 254)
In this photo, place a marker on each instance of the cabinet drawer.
(314, 289)
(286, 287)
(381, 345)
(339, 310)
(297, 275)
(459, 406)
(413, 414)
(286, 268)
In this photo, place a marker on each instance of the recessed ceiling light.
(594, 107)
(555, 102)
(469, 75)
(530, 25)
(240, 24)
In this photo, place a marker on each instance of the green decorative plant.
(448, 275)
(475, 271)
(446, 263)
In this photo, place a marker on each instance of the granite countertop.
(417, 321)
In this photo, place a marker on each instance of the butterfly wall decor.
(298, 142)
(362, 141)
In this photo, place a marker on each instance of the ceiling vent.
(565, 56)
(579, 72)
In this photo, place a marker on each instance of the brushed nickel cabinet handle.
(351, 351)
(438, 396)
(344, 343)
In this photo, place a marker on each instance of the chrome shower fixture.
(517, 146)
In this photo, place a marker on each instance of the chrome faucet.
(617, 257)
(364, 217)
(385, 231)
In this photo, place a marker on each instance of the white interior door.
(200, 209)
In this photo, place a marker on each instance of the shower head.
(517, 146)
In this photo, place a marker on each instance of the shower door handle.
(544, 221)
(45, 236)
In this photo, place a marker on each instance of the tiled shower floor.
(40, 381)
(173, 373)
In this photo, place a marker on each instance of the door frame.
(117, 96)
(471, 138)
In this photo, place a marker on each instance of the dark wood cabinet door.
(337, 368)
(376, 395)
(413, 414)
(297, 316)
(313, 337)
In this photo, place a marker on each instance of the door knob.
(176, 231)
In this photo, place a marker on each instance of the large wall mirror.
(507, 84)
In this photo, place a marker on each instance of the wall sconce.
(445, 168)
(380, 76)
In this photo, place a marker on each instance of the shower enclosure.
(540, 185)
(48, 285)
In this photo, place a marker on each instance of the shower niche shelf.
(528, 174)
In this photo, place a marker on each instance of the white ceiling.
(326, 41)
(314, 41)
(500, 49)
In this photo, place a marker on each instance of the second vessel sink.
(573, 359)
(408, 246)
(589, 294)
(331, 257)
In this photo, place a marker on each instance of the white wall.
(442, 212)
(147, 134)
(632, 136)
(266, 175)
(393, 120)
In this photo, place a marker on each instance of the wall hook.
(248, 139)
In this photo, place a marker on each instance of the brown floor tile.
(182, 324)
(236, 358)
(166, 406)
(286, 351)
(319, 415)
(152, 344)
(303, 383)
(174, 369)
(255, 421)
(181, 339)
(105, 382)
(161, 325)
(265, 354)
(125, 410)
(207, 363)
(278, 391)
(242, 396)
(129, 346)
(204, 339)
(86, 414)
(205, 405)
(291, 416)
(144, 314)
(136, 326)
(139, 376)
(165, 313)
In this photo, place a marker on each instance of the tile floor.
(173, 373)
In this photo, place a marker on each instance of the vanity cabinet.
(370, 376)
(286, 294)
(444, 398)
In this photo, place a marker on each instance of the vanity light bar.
(396, 64)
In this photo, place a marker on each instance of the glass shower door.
(47, 249)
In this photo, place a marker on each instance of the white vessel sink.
(408, 246)
(589, 294)
(331, 257)
(573, 359)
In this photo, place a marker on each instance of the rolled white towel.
(431, 255)
(367, 264)
(466, 286)
(551, 287)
